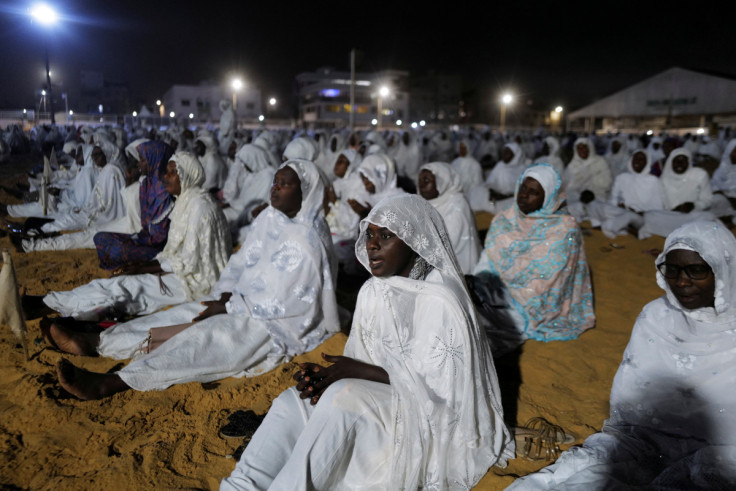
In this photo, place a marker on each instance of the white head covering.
(198, 244)
(717, 246)
(312, 187)
(132, 148)
(380, 170)
(446, 179)
(300, 148)
(253, 157)
(446, 419)
(550, 181)
(518, 155)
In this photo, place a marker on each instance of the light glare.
(422, 123)
(135, 114)
(172, 114)
(558, 109)
(237, 84)
(398, 122)
(158, 102)
(44, 14)
(261, 117)
(383, 91)
(374, 121)
(414, 125)
(507, 98)
(272, 101)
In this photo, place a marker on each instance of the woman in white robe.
(672, 423)
(587, 171)
(414, 401)
(687, 196)
(105, 202)
(196, 251)
(408, 156)
(467, 168)
(551, 155)
(440, 185)
(724, 178)
(276, 300)
(248, 184)
(502, 178)
(617, 156)
(129, 223)
(215, 169)
(378, 173)
(633, 193)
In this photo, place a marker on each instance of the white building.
(324, 97)
(203, 102)
(674, 99)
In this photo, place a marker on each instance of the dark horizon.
(546, 55)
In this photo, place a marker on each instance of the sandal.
(241, 424)
(539, 439)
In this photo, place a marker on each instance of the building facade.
(324, 98)
(202, 102)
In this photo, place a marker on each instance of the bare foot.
(70, 341)
(88, 385)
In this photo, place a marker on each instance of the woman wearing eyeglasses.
(673, 404)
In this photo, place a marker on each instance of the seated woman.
(506, 172)
(197, 250)
(687, 196)
(723, 181)
(634, 192)
(274, 300)
(550, 155)
(672, 424)
(378, 173)
(440, 185)
(414, 401)
(536, 249)
(118, 248)
(586, 177)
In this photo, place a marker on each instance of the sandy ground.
(168, 439)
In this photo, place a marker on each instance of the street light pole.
(48, 84)
(505, 101)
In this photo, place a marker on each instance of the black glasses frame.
(693, 271)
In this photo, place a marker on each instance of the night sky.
(552, 53)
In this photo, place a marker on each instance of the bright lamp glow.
(398, 122)
(558, 109)
(650, 132)
(237, 84)
(44, 14)
(507, 98)
(383, 91)
(422, 123)
(261, 117)
(172, 114)
(135, 114)
(272, 101)
(43, 92)
(701, 131)
(374, 121)
(158, 102)
(191, 115)
(414, 125)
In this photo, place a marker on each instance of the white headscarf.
(381, 171)
(198, 244)
(640, 191)
(455, 210)
(591, 174)
(503, 177)
(300, 148)
(724, 178)
(446, 421)
(693, 185)
(285, 272)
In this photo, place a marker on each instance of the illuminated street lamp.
(161, 109)
(46, 16)
(506, 99)
(383, 92)
(272, 101)
(556, 116)
(236, 84)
